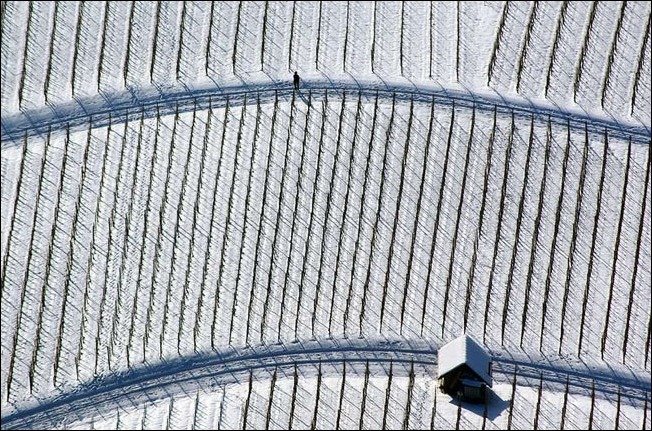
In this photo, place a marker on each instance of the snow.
(464, 350)
(446, 168)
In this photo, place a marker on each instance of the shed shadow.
(495, 405)
(491, 410)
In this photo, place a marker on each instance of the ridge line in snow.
(216, 369)
(120, 106)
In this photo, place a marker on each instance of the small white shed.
(464, 369)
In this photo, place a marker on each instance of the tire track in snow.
(205, 371)
(162, 100)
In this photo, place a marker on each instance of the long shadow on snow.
(107, 108)
(207, 371)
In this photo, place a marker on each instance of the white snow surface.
(464, 350)
(187, 242)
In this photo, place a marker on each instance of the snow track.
(324, 358)
(118, 107)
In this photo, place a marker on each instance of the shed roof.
(464, 350)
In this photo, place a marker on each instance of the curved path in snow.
(206, 371)
(105, 108)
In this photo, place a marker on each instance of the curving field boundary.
(105, 108)
(207, 371)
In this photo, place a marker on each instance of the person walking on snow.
(296, 80)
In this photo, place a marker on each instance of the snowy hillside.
(189, 242)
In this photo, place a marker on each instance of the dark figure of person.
(296, 80)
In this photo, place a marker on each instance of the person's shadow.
(302, 96)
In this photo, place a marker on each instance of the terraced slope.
(186, 241)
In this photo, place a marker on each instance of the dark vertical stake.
(639, 64)
(268, 417)
(360, 216)
(648, 341)
(457, 41)
(191, 258)
(245, 414)
(295, 382)
(262, 217)
(553, 250)
(180, 207)
(73, 72)
(313, 424)
(616, 249)
(408, 403)
(396, 216)
(592, 404)
(182, 29)
(345, 212)
(596, 221)
(162, 213)
(517, 235)
(125, 69)
(364, 394)
(526, 44)
(451, 260)
(538, 407)
(632, 282)
(612, 52)
(69, 256)
(301, 175)
(336, 161)
(235, 42)
(339, 408)
(209, 43)
(496, 47)
(401, 40)
(373, 39)
(578, 210)
(481, 218)
(262, 47)
(246, 214)
(154, 47)
(537, 225)
(346, 35)
(294, 5)
(580, 66)
(503, 193)
(46, 82)
(433, 412)
(21, 173)
(318, 38)
(225, 237)
(388, 394)
(306, 249)
(23, 290)
(377, 216)
(442, 186)
(511, 400)
(100, 62)
(424, 168)
(281, 199)
(21, 83)
(50, 246)
(617, 424)
(555, 46)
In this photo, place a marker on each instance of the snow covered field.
(186, 242)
